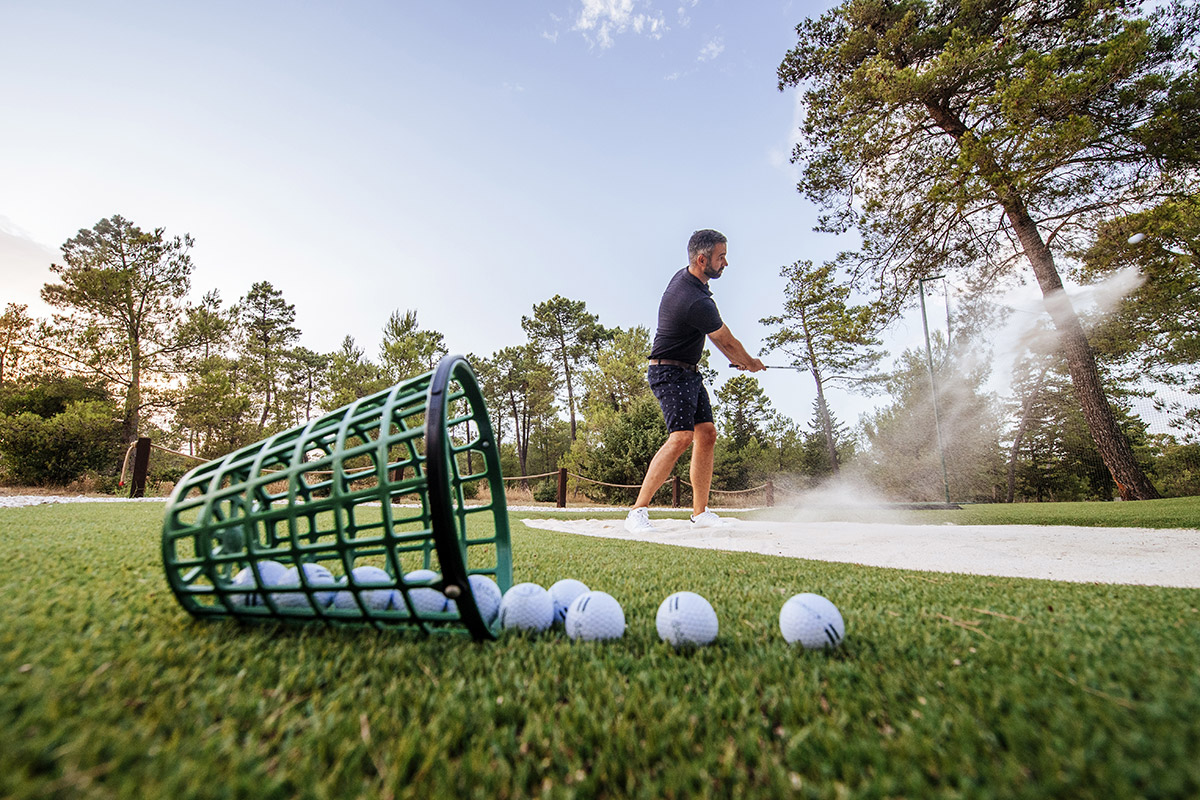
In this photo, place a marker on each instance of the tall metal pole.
(937, 424)
(946, 297)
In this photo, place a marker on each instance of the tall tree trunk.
(827, 426)
(822, 408)
(1026, 409)
(522, 437)
(570, 391)
(1112, 444)
(133, 397)
(1114, 448)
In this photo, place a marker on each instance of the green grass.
(946, 686)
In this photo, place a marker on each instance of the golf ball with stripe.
(686, 618)
(564, 593)
(811, 620)
(595, 615)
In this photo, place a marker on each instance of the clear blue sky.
(466, 160)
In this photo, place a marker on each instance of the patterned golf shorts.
(682, 396)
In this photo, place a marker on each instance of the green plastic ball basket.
(383, 482)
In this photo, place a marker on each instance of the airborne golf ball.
(424, 600)
(564, 593)
(272, 572)
(315, 575)
(595, 615)
(686, 618)
(376, 599)
(528, 607)
(487, 597)
(812, 621)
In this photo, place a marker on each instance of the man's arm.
(728, 344)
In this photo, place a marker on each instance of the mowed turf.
(946, 686)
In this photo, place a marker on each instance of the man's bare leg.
(662, 464)
(704, 443)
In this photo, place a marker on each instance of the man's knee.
(678, 441)
(705, 434)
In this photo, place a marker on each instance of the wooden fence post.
(141, 465)
(675, 492)
(562, 487)
(770, 493)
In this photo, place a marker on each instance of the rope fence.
(140, 450)
(676, 490)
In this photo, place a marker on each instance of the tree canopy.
(123, 290)
(822, 333)
(974, 137)
(566, 334)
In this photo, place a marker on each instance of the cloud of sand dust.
(1092, 303)
(840, 498)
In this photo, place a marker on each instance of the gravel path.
(22, 500)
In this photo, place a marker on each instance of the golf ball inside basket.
(425, 600)
(273, 573)
(315, 575)
(487, 597)
(686, 618)
(564, 593)
(812, 621)
(375, 599)
(527, 607)
(595, 615)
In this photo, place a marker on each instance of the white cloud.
(780, 156)
(681, 13)
(550, 37)
(711, 50)
(601, 20)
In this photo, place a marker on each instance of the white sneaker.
(638, 521)
(706, 519)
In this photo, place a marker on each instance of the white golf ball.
(272, 573)
(377, 599)
(564, 593)
(527, 607)
(424, 600)
(487, 597)
(316, 575)
(812, 621)
(686, 618)
(595, 615)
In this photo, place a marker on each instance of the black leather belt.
(670, 362)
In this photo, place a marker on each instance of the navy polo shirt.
(686, 314)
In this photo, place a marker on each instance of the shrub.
(59, 449)
(47, 396)
(545, 491)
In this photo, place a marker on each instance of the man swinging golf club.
(686, 314)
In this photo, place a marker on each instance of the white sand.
(1062, 553)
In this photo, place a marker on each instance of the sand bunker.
(1060, 553)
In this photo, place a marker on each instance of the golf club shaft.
(769, 366)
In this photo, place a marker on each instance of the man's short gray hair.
(703, 242)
